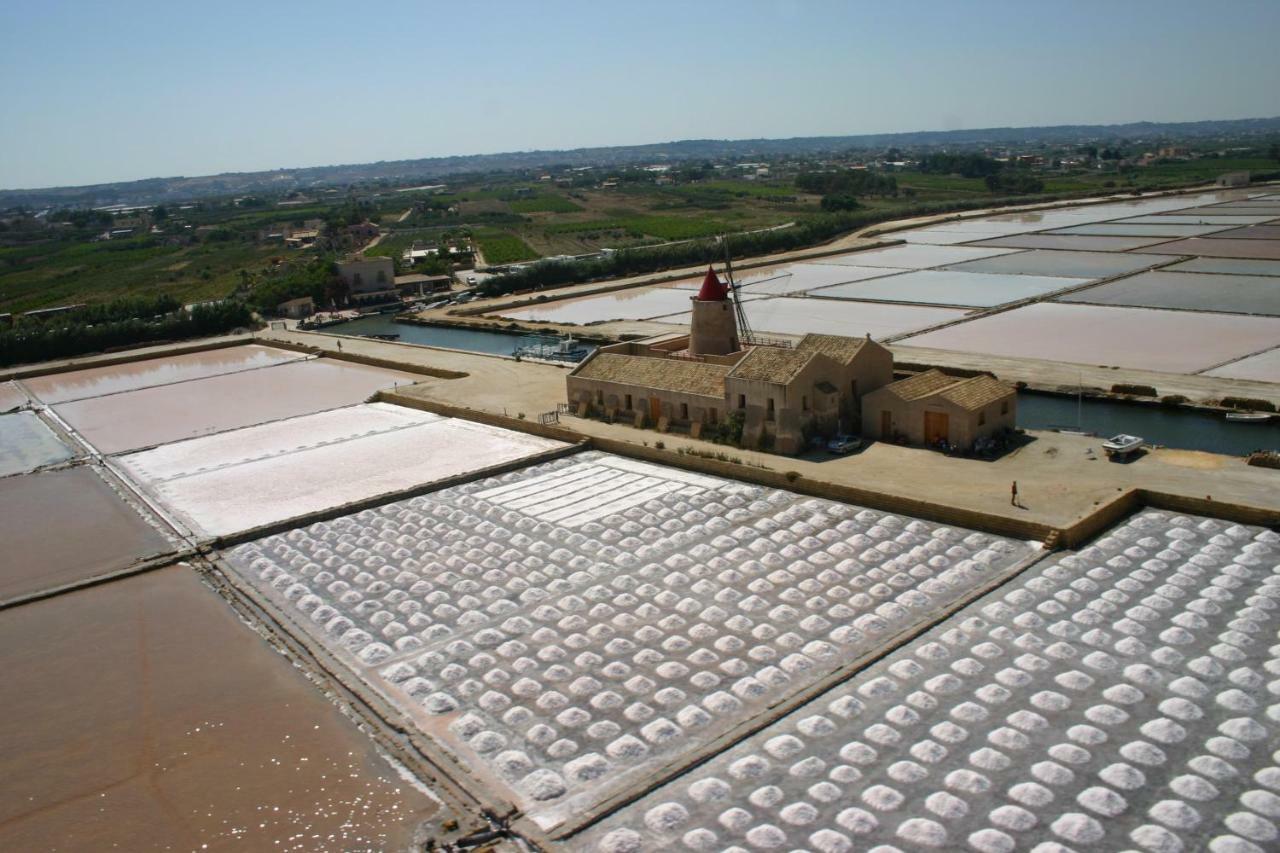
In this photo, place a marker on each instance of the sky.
(95, 92)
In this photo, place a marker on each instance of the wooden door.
(886, 425)
(655, 409)
(937, 426)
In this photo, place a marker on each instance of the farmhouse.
(938, 410)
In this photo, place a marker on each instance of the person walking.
(1013, 499)
(339, 346)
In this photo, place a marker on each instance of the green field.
(939, 185)
(743, 188)
(676, 227)
(544, 204)
(500, 247)
(58, 272)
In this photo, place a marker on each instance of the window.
(600, 397)
(742, 401)
(1004, 407)
(382, 277)
(769, 410)
(684, 411)
(712, 416)
(982, 418)
(628, 402)
(853, 389)
(804, 404)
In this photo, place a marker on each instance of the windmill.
(745, 335)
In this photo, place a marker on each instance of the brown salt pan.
(1214, 247)
(142, 715)
(95, 381)
(11, 396)
(63, 526)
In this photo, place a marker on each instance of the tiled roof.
(664, 374)
(771, 364)
(839, 348)
(978, 392)
(970, 394)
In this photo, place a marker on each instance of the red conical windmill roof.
(712, 290)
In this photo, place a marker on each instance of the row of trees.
(70, 335)
(850, 182)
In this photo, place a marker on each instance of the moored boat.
(1249, 417)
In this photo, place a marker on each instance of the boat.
(1249, 417)
(382, 336)
(1121, 446)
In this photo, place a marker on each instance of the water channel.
(1181, 428)
(472, 340)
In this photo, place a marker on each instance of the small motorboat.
(1249, 417)
(1121, 446)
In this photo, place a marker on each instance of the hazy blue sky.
(105, 91)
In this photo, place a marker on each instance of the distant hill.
(156, 190)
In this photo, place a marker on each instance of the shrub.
(792, 476)
(1135, 390)
(1173, 400)
(660, 445)
(1251, 403)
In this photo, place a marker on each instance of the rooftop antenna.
(745, 335)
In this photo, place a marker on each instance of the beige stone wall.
(368, 274)
(907, 418)
(677, 407)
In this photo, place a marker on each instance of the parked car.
(844, 444)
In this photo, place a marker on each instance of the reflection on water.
(1186, 430)
(95, 381)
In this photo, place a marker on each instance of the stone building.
(696, 381)
(369, 280)
(935, 409)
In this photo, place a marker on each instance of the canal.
(1181, 428)
(472, 340)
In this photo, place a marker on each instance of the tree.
(160, 214)
(840, 201)
(965, 165)
(1014, 181)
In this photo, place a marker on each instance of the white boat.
(1249, 417)
(1120, 446)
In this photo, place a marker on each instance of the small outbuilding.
(297, 309)
(938, 410)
